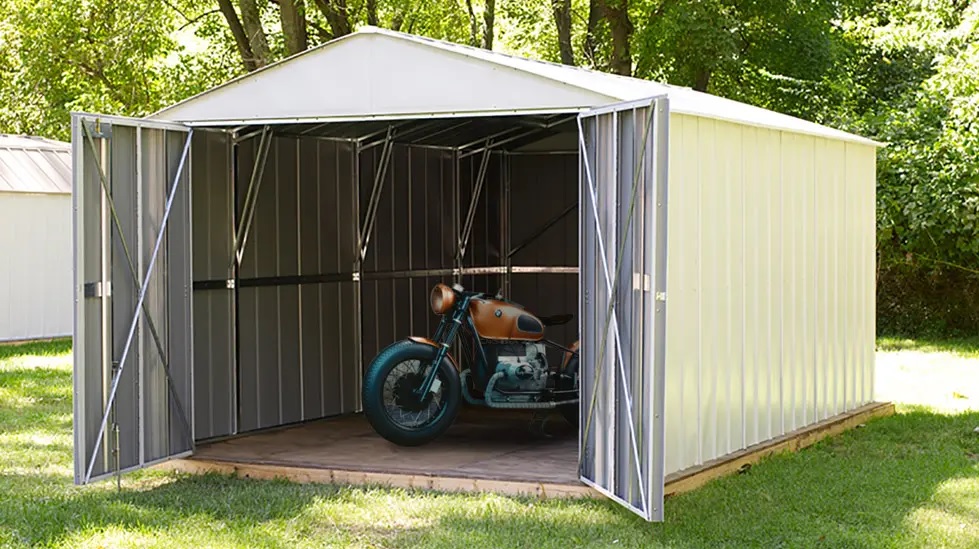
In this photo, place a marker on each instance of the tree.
(562, 20)
(616, 12)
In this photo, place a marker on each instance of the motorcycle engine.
(524, 367)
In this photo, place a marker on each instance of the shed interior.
(316, 245)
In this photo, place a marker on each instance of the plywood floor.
(482, 444)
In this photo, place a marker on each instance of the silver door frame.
(646, 433)
(84, 125)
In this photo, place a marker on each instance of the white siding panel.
(712, 295)
(770, 316)
(35, 274)
(683, 345)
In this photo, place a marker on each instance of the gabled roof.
(376, 74)
(34, 165)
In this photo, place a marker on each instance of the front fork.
(445, 335)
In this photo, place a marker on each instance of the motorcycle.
(413, 388)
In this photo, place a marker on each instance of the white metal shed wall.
(35, 265)
(770, 316)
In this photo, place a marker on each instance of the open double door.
(133, 316)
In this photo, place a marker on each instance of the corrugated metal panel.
(34, 165)
(35, 276)
(771, 285)
(214, 322)
(395, 74)
(416, 229)
(297, 342)
(543, 186)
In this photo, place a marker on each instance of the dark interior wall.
(213, 236)
(423, 207)
(542, 186)
(299, 324)
(296, 297)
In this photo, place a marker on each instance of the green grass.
(966, 346)
(911, 480)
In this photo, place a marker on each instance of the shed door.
(132, 335)
(623, 152)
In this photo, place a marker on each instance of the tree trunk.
(473, 25)
(335, 12)
(293, 15)
(617, 14)
(372, 12)
(241, 39)
(489, 16)
(591, 38)
(562, 19)
(701, 80)
(252, 22)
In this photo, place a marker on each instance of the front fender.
(426, 341)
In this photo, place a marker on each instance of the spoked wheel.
(392, 404)
(401, 402)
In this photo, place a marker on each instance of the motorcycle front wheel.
(390, 403)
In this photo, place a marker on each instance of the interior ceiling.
(501, 132)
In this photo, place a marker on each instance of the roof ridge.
(368, 29)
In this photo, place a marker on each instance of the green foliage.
(92, 55)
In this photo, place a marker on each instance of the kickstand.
(538, 424)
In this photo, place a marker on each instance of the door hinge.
(661, 296)
(97, 289)
(229, 284)
(641, 282)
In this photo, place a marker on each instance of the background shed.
(35, 238)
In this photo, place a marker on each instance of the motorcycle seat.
(556, 320)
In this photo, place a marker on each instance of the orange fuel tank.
(500, 320)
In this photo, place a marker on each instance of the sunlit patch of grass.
(966, 346)
(911, 480)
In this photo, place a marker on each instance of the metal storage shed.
(307, 208)
(35, 238)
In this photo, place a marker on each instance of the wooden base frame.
(676, 483)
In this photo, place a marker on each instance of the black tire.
(569, 379)
(381, 395)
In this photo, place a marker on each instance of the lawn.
(908, 480)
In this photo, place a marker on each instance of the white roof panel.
(34, 165)
(376, 73)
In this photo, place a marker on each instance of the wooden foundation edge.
(543, 490)
(695, 477)
(676, 483)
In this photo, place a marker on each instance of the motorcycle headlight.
(443, 298)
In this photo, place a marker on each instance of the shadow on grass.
(35, 348)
